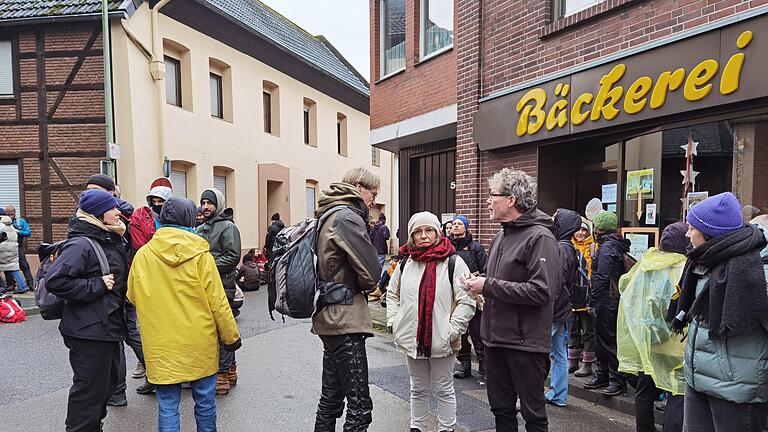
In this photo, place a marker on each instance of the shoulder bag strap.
(103, 262)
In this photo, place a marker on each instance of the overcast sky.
(343, 22)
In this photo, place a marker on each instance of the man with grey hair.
(523, 271)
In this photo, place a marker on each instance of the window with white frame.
(392, 34)
(217, 104)
(9, 184)
(6, 69)
(172, 81)
(564, 8)
(179, 180)
(436, 26)
(375, 156)
(311, 199)
(220, 183)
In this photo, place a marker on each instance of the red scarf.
(431, 256)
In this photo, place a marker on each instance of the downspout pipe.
(157, 70)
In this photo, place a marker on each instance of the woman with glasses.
(427, 312)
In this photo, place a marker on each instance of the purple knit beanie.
(673, 238)
(717, 215)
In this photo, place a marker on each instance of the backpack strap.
(103, 262)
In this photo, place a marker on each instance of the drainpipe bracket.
(157, 70)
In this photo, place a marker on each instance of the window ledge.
(437, 53)
(391, 74)
(585, 16)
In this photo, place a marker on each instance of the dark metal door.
(433, 183)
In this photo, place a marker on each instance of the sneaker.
(118, 399)
(596, 383)
(232, 375)
(557, 404)
(146, 388)
(222, 383)
(613, 390)
(463, 369)
(140, 371)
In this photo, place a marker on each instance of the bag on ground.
(10, 310)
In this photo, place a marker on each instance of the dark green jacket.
(221, 233)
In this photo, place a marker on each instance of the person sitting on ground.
(381, 286)
(248, 275)
(182, 309)
(422, 318)
(645, 344)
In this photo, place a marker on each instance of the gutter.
(96, 16)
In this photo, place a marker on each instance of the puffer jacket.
(224, 238)
(523, 269)
(91, 311)
(343, 240)
(448, 324)
(607, 265)
(9, 249)
(566, 223)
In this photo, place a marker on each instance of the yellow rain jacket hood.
(181, 306)
(645, 343)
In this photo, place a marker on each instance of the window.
(172, 81)
(310, 122)
(341, 134)
(9, 184)
(375, 156)
(436, 26)
(217, 104)
(271, 106)
(564, 8)
(220, 183)
(392, 18)
(311, 199)
(6, 69)
(179, 181)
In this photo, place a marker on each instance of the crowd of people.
(554, 295)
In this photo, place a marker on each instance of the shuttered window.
(6, 69)
(220, 183)
(179, 180)
(9, 185)
(311, 202)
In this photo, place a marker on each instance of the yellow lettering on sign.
(668, 81)
(729, 82)
(577, 115)
(700, 76)
(607, 97)
(635, 100)
(558, 114)
(538, 97)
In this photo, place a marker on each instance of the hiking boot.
(596, 383)
(573, 365)
(118, 399)
(463, 369)
(232, 375)
(222, 383)
(146, 388)
(613, 389)
(584, 371)
(140, 371)
(375, 295)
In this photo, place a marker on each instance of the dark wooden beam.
(52, 220)
(73, 189)
(60, 87)
(72, 120)
(42, 118)
(17, 75)
(75, 70)
(65, 53)
(64, 180)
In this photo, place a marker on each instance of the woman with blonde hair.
(427, 312)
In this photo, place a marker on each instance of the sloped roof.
(30, 9)
(285, 34)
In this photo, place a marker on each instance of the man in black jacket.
(607, 268)
(272, 232)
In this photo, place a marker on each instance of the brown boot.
(222, 383)
(375, 295)
(232, 375)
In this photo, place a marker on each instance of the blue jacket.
(22, 227)
(734, 368)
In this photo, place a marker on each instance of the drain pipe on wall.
(157, 70)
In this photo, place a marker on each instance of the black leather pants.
(345, 376)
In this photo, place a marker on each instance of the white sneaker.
(140, 371)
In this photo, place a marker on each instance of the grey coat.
(9, 249)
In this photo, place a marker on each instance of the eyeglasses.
(374, 194)
(494, 194)
(424, 231)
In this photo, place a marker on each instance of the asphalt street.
(279, 367)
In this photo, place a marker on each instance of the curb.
(27, 303)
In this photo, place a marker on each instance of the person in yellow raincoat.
(646, 345)
(183, 314)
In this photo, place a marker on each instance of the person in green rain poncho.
(646, 346)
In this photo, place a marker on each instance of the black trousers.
(133, 341)
(704, 413)
(24, 265)
(581, 333)
(605, 332)
(345, 376)
(473, 331)
(95, 376)
(646, 393)
(512, 374)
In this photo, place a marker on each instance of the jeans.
(345, 376)
(204, 395)
(382, 258)
(559, 372)
(23, 264)
(21, 284)
(424, 373)
(473, 331)
(512, 374)
(704, 413)
(226, 358)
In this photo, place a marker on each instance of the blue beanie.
(463, 220)
(97, 202)
(717, 215)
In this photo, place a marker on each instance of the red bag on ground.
(10, 311)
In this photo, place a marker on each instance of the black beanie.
(102, 180)
(673, 238)
(276, 217)
(210, 196)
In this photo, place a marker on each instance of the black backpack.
(580, 287)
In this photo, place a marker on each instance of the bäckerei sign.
(715, 68)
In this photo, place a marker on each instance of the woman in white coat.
(428, 312)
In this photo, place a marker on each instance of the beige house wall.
(239, 146)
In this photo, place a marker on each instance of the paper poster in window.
(609, 193)
(640, 182)
(638, 244)
(650, 214)
(696, 197)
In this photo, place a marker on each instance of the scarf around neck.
(735, 293)
(430, 256)
(93, 220)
